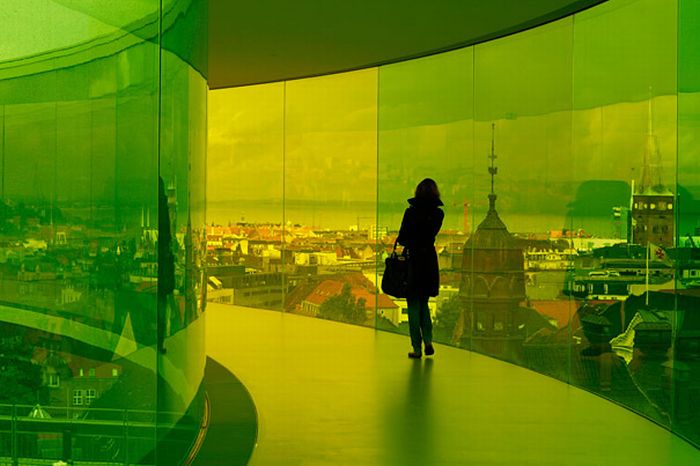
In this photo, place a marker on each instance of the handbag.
(395, 278)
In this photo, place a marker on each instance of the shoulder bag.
(395, 278)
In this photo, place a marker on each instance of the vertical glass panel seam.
(377, 255)
(283, 229)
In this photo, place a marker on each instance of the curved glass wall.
(577, 258)
(102, 203)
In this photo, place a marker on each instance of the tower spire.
(493, 169)
(651, 170)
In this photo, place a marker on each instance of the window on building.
(90, 395)
(669, 206)
(498, 326)
(82, 373)
(652, 206)
(91, 372)
(115, 372)
(54, 380)
(77, 397)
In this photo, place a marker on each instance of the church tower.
(492, 285)
(653, 206)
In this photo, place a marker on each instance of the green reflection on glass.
(85, 121)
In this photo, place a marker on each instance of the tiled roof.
(330, 288)
(559, 309)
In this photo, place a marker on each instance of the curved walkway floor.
(335, 394)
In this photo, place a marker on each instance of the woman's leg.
(414, 323)
(426, 324)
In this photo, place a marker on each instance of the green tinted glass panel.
(330, 181)
(683, 372)
(516, 260)
(625, 164)
(244, 186)
(99, 311)
(426, 130)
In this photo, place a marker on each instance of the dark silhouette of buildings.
(492, 288)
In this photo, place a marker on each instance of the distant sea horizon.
(346, 215)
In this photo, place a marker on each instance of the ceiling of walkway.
(257, 41)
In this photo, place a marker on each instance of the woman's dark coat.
(421, 223)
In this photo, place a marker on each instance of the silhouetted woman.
(421, 223)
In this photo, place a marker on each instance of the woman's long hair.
(428, 189)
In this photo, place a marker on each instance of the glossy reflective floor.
(330, 393)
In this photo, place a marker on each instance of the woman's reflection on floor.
(410, 425)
